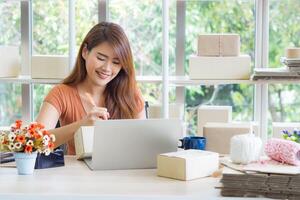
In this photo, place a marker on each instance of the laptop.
(132, 143)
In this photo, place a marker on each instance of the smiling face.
(102, 64)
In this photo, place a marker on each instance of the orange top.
(67, 102)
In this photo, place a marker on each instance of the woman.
(102, 85)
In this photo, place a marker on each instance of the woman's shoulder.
(64, 88)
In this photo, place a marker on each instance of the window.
(220, 17)
(142, 23)
(52, 38)
(10, 93)
(284, 101)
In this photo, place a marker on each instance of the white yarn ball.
(245, 148)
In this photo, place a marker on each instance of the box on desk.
(218, 45)
(221, 68)
(83, 139)
(218, 135)
(187, 164)
(176, 110)
(55, 67)
(212, 114)
(10, 65)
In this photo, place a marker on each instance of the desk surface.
(77, 181)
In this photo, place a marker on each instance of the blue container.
(25, 162)
(193, 142)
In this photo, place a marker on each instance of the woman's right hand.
(95, 114)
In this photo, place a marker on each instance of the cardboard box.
(176, 110)
(278, 127)
(218, 45)
(218, 135)
(10, 65)
(84, 139)
(212, 114)
(55, 67)
(187, 165)
(221, 68)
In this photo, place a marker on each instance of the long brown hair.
(122, 97)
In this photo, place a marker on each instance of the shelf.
(28, 80)
(173, 80)
(185, 81)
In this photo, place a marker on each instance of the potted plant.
(25, 142)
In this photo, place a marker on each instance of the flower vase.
(25, 162)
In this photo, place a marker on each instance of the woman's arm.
(49, 117)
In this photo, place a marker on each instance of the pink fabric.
(284, 151)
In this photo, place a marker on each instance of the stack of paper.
(291, 70)
(277, 186)
(266, 179)
(274, 73)
(292, 63)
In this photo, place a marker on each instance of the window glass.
(220, 17)
(86, 16)
(56, 32)
(142, 23)
(10, 93)
(50, 27)
(284, 32)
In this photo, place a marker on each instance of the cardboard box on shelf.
(212, 114)
(10, 65)
(220, 68)
(54, 67)
(218, 45)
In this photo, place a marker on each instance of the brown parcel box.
(218, 45)
(218, 135)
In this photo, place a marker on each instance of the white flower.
(29, 143)
(45, 143)
(46, 138)
(18, 131)
(11, 137)
(11, 146)
(18, 145)
(52, 137)
(47, 152)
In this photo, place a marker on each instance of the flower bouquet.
(25, 142)
(294, 136)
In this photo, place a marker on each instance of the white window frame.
(261, 54)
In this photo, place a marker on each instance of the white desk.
(76, 181)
